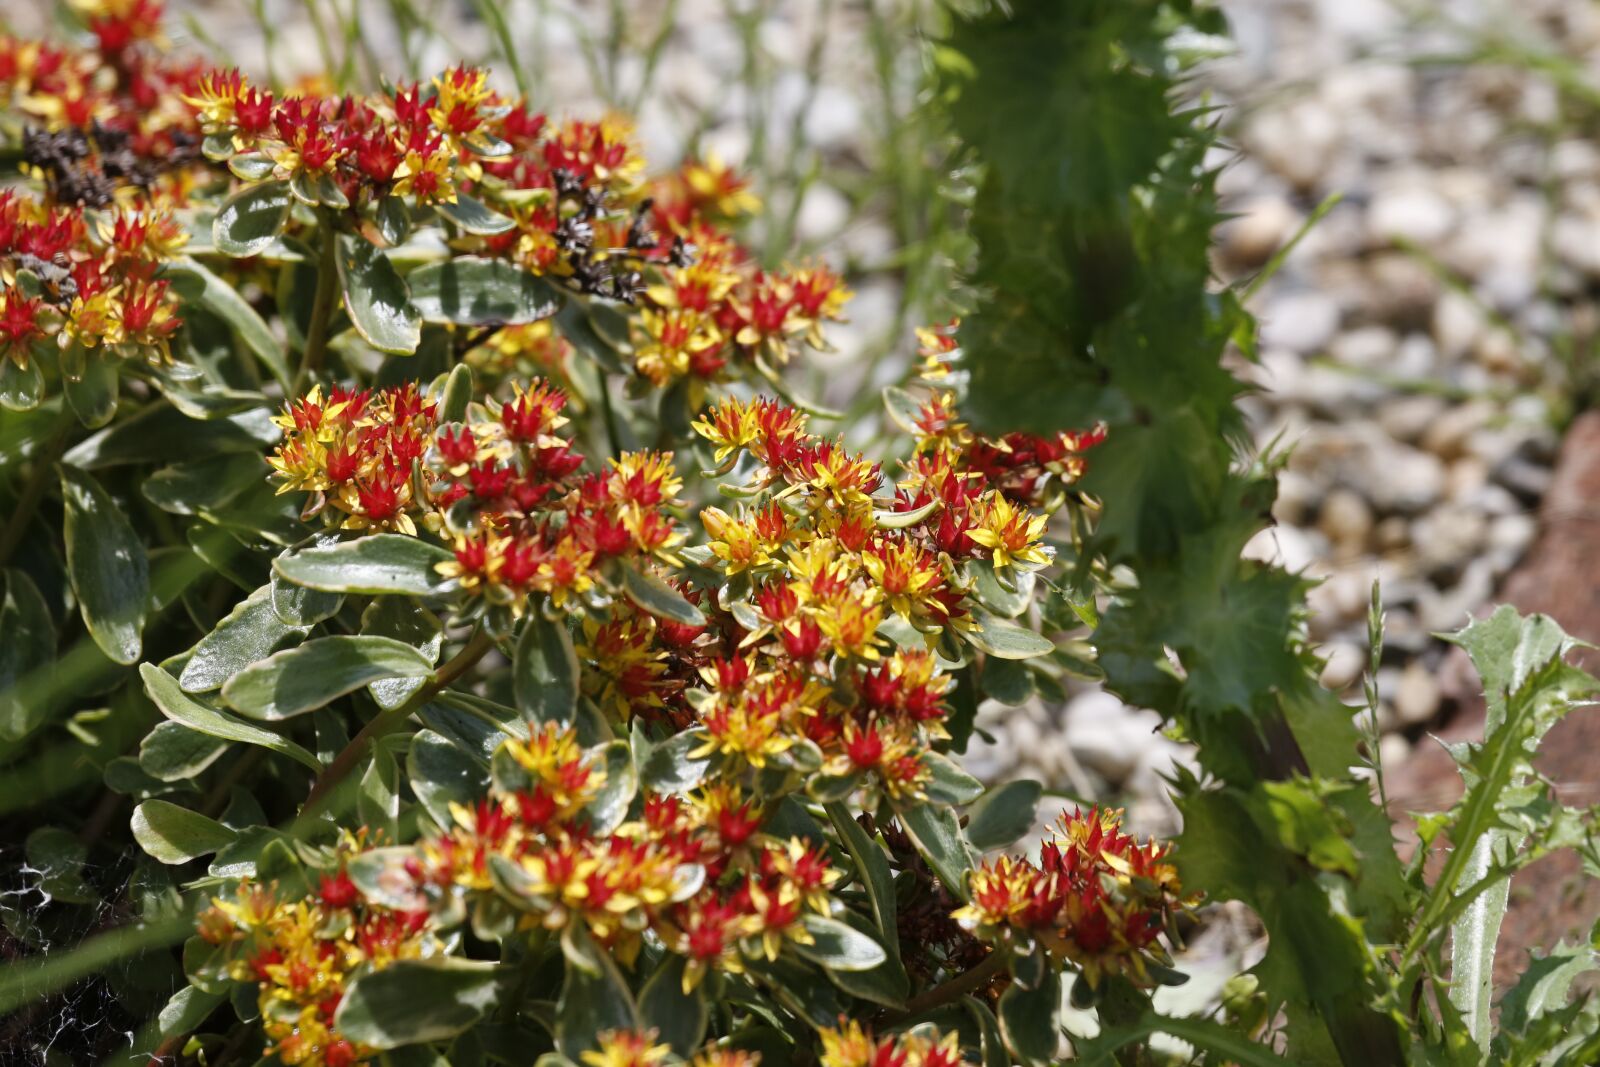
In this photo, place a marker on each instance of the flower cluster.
(71, 284)
(105, 122)
(697, 869)
(504, 487)
(1096, 899)
(851, 1045)
(302, 952)
(698, 316)
(631, 1048)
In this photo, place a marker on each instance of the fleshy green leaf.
(470, 291)
(470, 214)
(669, 769)
(610, 806)
(413, 1001)
(651, 594)
(108, 566)
(545, 671)
(178, 706)
(26, 653)
(1005, 639)
(950, 784)
(318, 672)
(92, 391)
(1003, 814)
(678, 1017)
(937, 835)
(838, 947)
(172, 834)
(251, 631)
(402, 619)
(194, 282)
(441, 772)
(249, 220)
(21, 387)
(171, 752)
(592, 1003)
(381, 563)
(376, 298)
(1028, 1019)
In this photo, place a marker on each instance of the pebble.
(1346, 520)
(1416, 696)
(1344, 666)
(1301, 322)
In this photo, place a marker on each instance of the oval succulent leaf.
(317, 673)
(107, 564)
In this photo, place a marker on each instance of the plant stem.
(44, 464)
(387, 721)
(322, 306)
(969, 981)
(610, 413)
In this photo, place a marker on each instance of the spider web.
(48, 908)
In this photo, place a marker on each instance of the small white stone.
(1344, 665)
(1416, 698)
(1413, 212)
(1300, 322)
(1346, 519)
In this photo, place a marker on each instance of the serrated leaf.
(376, 298)
(250, 219)
(107, 564)
(545, 671)
(655, 596)
(1003, 814)
(381, 563)
(172, 835)
(318, 672)
(415, 1001)
(178, 706)
(250, 632)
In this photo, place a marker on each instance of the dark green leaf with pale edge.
(937, 835)
(991, 1044)
(471, 215)
(108, 566)
(161, 433)
(457, 395)
(197, 283)
(610, 806)
(1003, 814)
(187, 1009)
(252, 631)
(178, 706)
(1221, 1043)
(318, 672)
(413, 1001)
(26, 654)
(1028, 1020)
(21, 388)
(670, 769)
(480, 292)
(171, 752)
(651, 594)
(886, 984)
(203, 485)
(838, 947)
(377, 299)
(678, 1018)
(172, 834)
(92, 391)
(1003, 638)
(591, 1003)
(872, 865)
(545, 671)
(249, 220)
(402, 619)
(441, 772)
(382, 563)
(950, 784)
